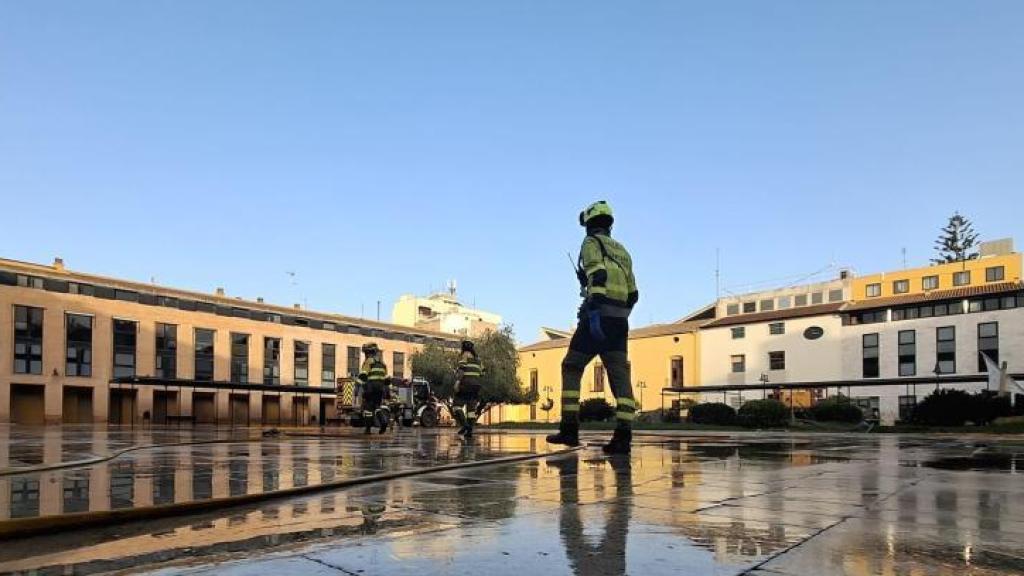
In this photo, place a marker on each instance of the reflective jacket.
(373, 370)
(608, 267)
(470, 366)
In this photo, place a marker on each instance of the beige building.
(83, 348)
(442, 312)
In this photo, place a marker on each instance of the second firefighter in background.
(373, 375)
(467, 388)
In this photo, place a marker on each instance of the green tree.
(500, 383)
(957, 241)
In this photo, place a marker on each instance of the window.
(739, 363)
(272, 361)
(126, 295)
(676, 372)
(995, 274)
(784, 302)
(870, 355)
(929, 283)
(800, 300)
(739, 333)
(767, 305)
(76, 495)
(301, 363)
(901, 286)
(204, 354)
(907, 353)
(24, 498)
(907, 404)
(962, 278)
(835, 295)
(329, 364)
(30, 281)
(945, 350)
(240, 358)
(817, 298)
(166, 351)
(125, 333)
(598, 378)
(81, 289)
(28, 340)
(78, 329)
(1009, 302)
(749, 307)
(777, 328)
(732, 309)
(870, 317)
(874, 290)
(776, 360)
(398, 368)
(353, 361)
(988, 344)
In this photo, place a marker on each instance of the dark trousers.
(468, 399)
(373, 397)
(613, 352)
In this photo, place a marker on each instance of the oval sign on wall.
(814, 332)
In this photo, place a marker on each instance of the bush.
(986, 406)
(596, 410)
(763, 414)
(947, 407)
(836, 410)
(713, 413)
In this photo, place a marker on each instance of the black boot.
(382, 421)
(469, 431)
(621, 441)
(568, 434)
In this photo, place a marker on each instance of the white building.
(442, 312)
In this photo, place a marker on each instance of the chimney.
(58, 264)
(259, 299)
(220, 291)
(844, 274)
(297, 306)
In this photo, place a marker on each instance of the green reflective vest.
(609, 270)
(373, 370)
(470, 366)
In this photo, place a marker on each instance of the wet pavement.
(760, 504)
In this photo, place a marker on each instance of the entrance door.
(122, 406)
(323, 412)
(77, 405)
(239, 410)
(27, 402)
(203, 410)
(271, 410)
(165, 403)
(300, 407)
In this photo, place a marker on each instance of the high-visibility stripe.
(625, 415)
(626, 402)
(598, 290)
(570, 408)
(570, 394)
(471, 414)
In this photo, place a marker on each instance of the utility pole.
(718, 273)
(378, 310)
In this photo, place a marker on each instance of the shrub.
(946, 407)
(713, 413)
(596, 410)
(838, 409)
(986, 406)
(763, 414)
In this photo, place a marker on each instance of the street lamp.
(547, 413)
(764, 386)
(641, 385)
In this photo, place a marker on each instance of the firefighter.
(467, 388)
(373, 376)
(605, 273)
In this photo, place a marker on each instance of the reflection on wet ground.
(757, 504)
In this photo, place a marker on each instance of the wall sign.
(814, 332)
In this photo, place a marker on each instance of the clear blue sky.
(377, 148)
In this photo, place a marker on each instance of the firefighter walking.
(605, 273)
(373, 376)
(467, 388)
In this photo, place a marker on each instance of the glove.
(594, 325)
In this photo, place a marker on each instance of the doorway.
(122, 406)
(27, 404)
(77, 407)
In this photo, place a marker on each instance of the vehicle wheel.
(428, 419)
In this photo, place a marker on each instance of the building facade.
(81, 348)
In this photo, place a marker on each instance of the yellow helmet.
(596, 210)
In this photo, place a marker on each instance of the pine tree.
(957, 241)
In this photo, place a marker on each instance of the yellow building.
(977, 272)
(661, 356)
(80, 348)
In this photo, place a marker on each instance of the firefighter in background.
(467, 388)
(373, 376)
(605, 273)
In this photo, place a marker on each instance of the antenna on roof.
(718, 273)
